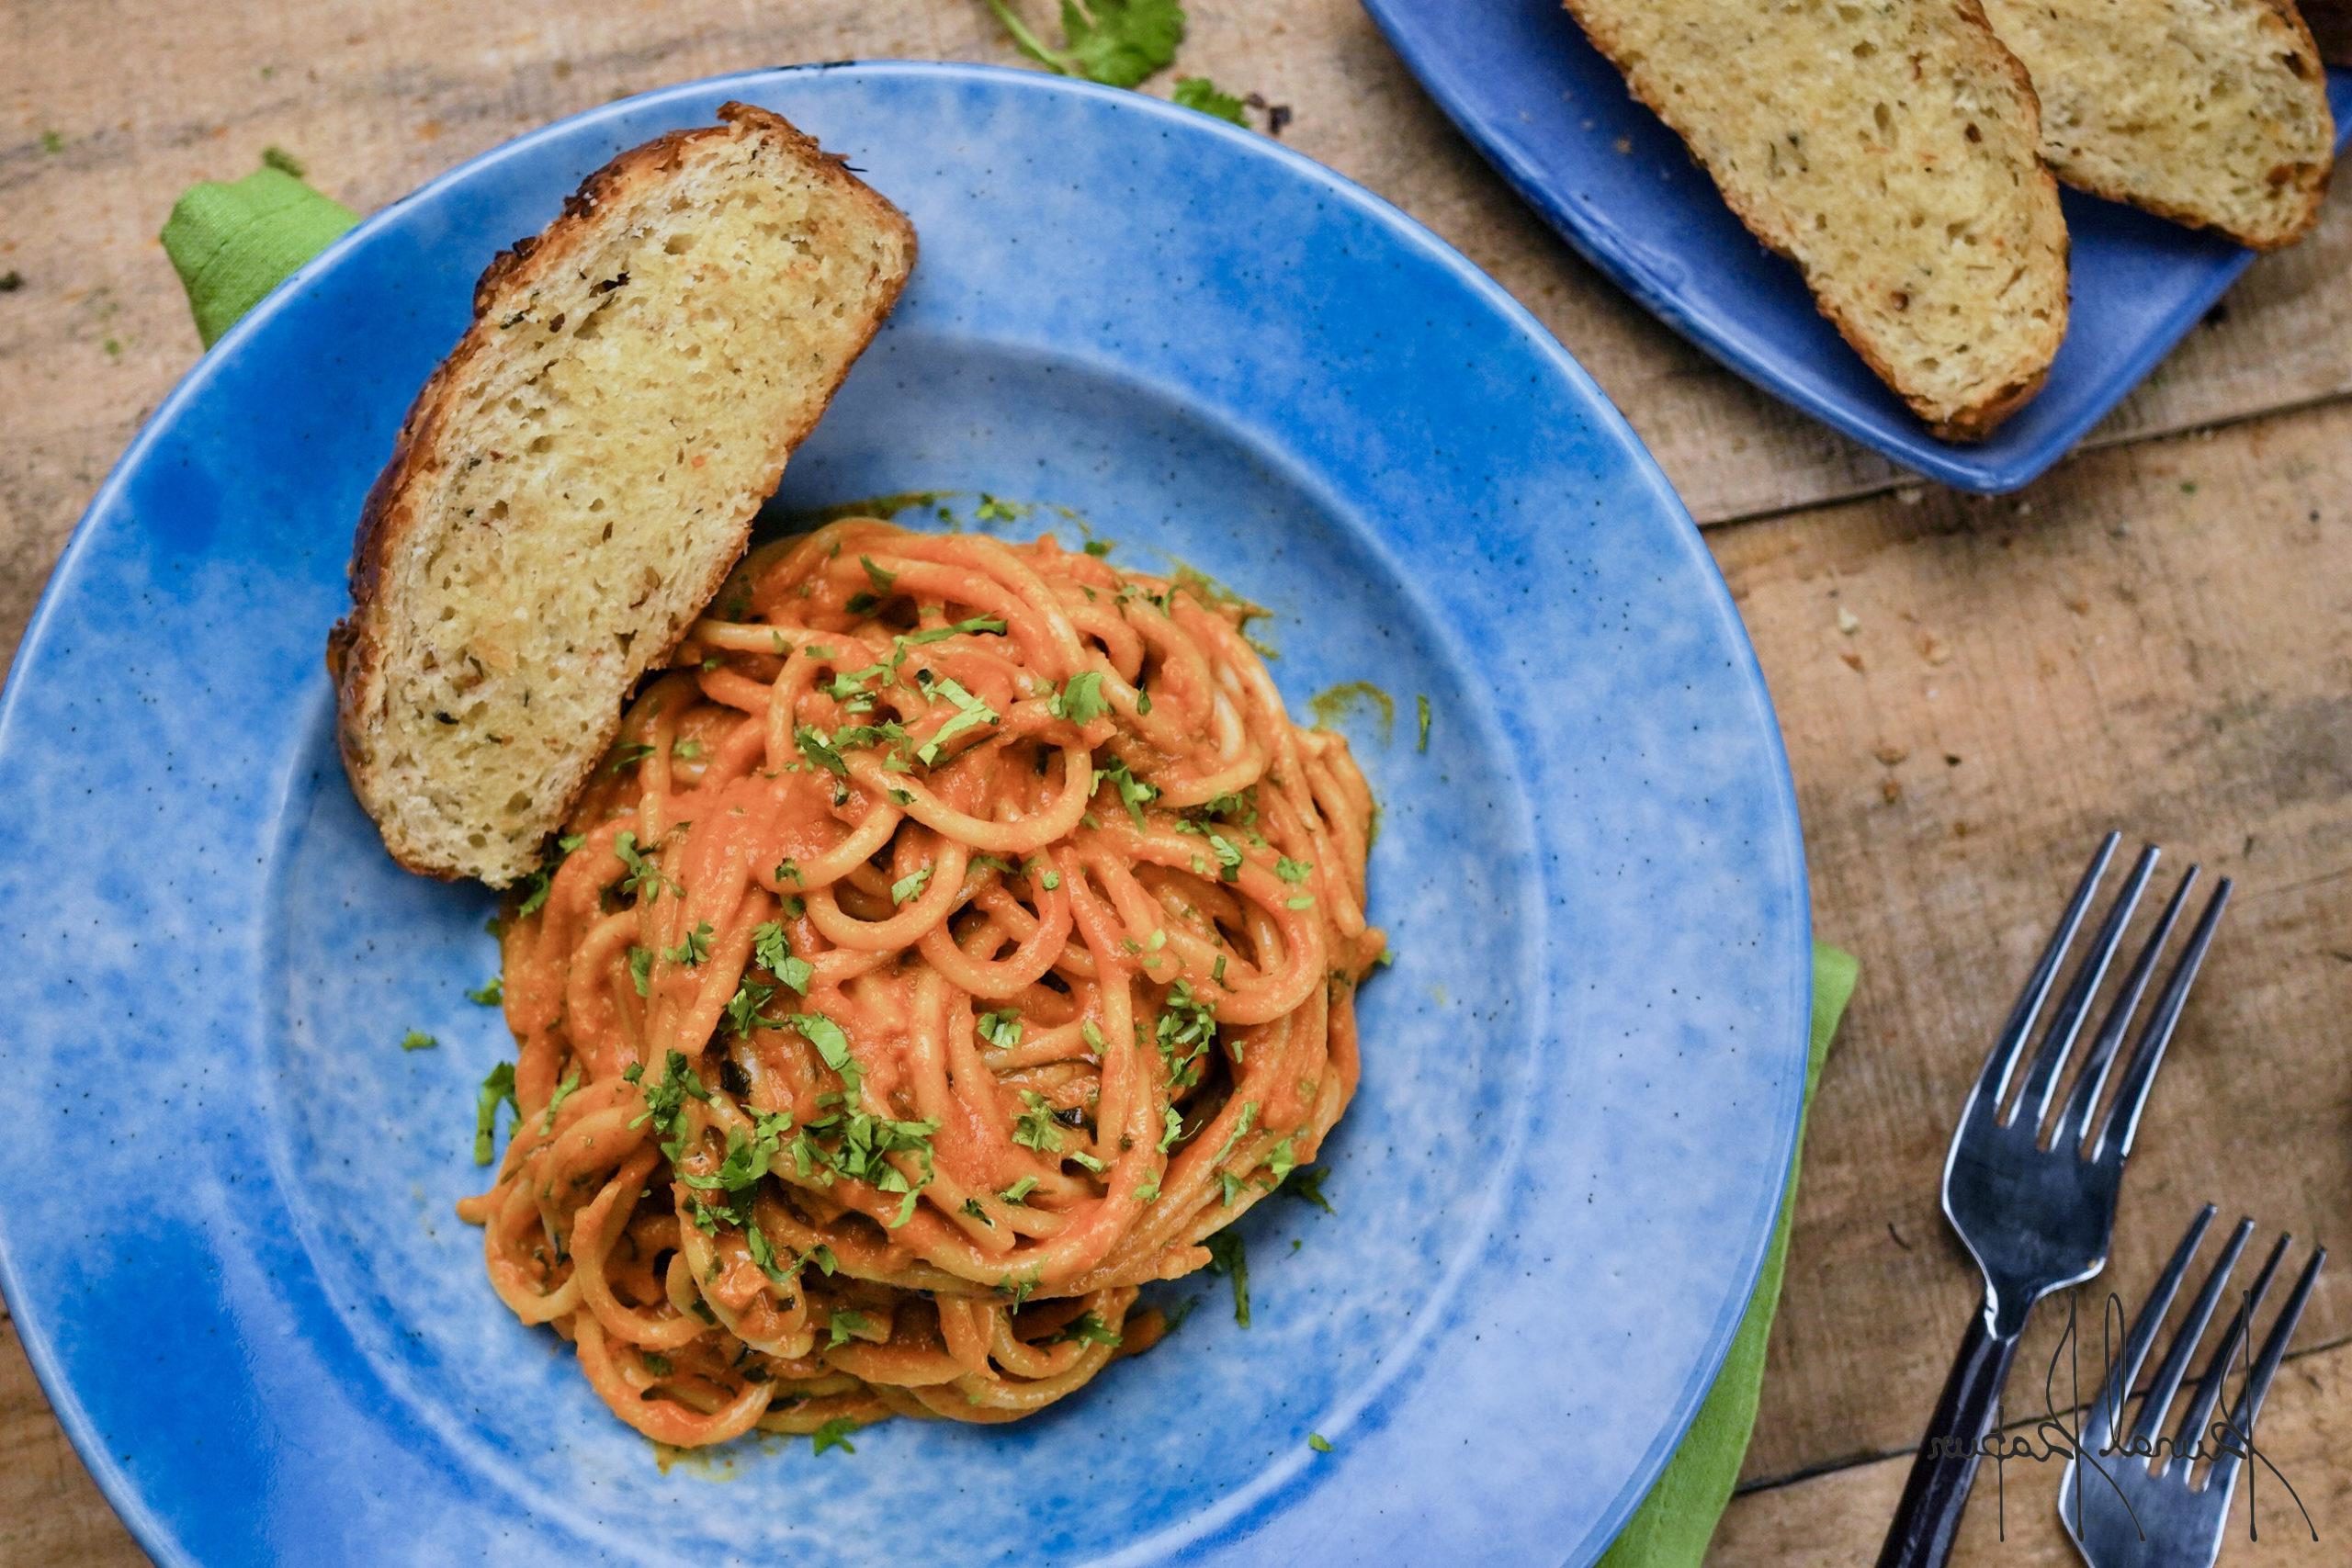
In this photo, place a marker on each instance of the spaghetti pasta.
(963, 934)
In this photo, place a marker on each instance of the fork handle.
(1934, 1496)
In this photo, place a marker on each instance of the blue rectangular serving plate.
(1553, 116)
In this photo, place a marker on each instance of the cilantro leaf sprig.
(1115, 42)
(1200, 93)
(498, 1087)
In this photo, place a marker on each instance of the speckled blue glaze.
(225, 1198)
(1555, 118)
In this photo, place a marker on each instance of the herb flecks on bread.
(580, 475)
(2212, 112)
(1891, 149)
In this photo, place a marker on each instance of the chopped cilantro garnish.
(1281, 1161)
(686, 750)
(1091, 1035)
(1035, 1128)
(844, 1326)
(833, 1434)
(972, 1206)
(1200, 93)
(1228, 859)
(665, 1101)
(832, 1044)
(763, 1255)
(970, 713)
(1000, 1029)
(743, 1006)
(1081, 701)
(1186, 1029)
(498, 1086)
(967, 628)
(694, 949)
(1301, 902)
(875, 575)
(543, 879)
(859, 603)
(641, 970)
(1229, 1256)
(1148, 1191)
(1172, 1128)
(1291, 870)
(814, 747)
(1307, 1184)
(788, 870)
(1319, 1442)
(1240, 1130)
(1097, 548)
(773, 950)
(1132, 790)
(1423, 704)
(563, 1091)
(418, 1039)
(991, 510)
(491, 994)
(644, 878)
(910, 887)
(1091, 1328)
(629, 756)
(1019, 1191)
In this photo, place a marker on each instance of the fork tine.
(2107, 1413)
(2082, 1101)
(2058, 1039)
(2122, 1122)
(2265, 1366)
(1993, 1082)
(2190, 1433)
(2167, 1382)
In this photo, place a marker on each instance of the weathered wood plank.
(1842, 1517)
(51, 1513)
(2160, 641)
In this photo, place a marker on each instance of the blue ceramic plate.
(1553, 116)
(225, 1193)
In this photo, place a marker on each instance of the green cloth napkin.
(233, 243)
(1671, 1527)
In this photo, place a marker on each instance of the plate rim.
(122, 1492)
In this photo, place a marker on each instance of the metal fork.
(2033, 1198)
(2130, 1503)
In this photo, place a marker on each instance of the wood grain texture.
(2159, 640)
(2012, 1522)
(2158, 636)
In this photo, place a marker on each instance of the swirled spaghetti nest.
(961, 935)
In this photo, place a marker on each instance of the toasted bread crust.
(390, 515)
(2301, 52)
(1977, 420)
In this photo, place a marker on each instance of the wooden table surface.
(2158, 636)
